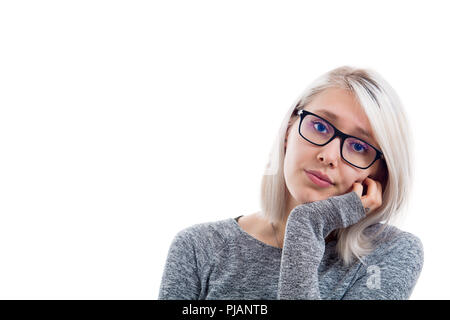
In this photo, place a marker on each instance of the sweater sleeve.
(304, 244)
(180, 280)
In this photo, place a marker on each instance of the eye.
(320, 126)
(359, 147)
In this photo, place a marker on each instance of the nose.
(331, 152)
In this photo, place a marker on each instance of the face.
(302, 155)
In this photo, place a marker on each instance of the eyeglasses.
(320, 132)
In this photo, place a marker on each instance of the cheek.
(296, 157)
(349, 176)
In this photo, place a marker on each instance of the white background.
(123, 122)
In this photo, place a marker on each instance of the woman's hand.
(373, 198)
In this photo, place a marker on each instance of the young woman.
(340, 170)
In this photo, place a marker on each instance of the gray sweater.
(219, 260)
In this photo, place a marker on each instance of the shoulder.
(392, 269)
(218, 230)
(386, 234)
(205, 238)
(395, 245)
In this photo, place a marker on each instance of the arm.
(307, 227)
(180, 279)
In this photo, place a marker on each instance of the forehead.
(341, 108)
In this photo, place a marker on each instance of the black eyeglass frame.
(337, 133)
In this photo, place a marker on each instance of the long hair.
(391, 130)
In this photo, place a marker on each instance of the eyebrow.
(335, 117)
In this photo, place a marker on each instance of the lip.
(318, 178)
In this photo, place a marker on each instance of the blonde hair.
(391, 130)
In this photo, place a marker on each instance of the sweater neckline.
(235, 223)
(251, 238)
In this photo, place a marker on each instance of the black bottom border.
(207, 309)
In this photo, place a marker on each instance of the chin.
(311, 195)
(321, 194)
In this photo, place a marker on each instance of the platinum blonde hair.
(391, 130)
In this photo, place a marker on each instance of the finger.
(380, 192)
(378, 184)
(372, 187)
(358, 188)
